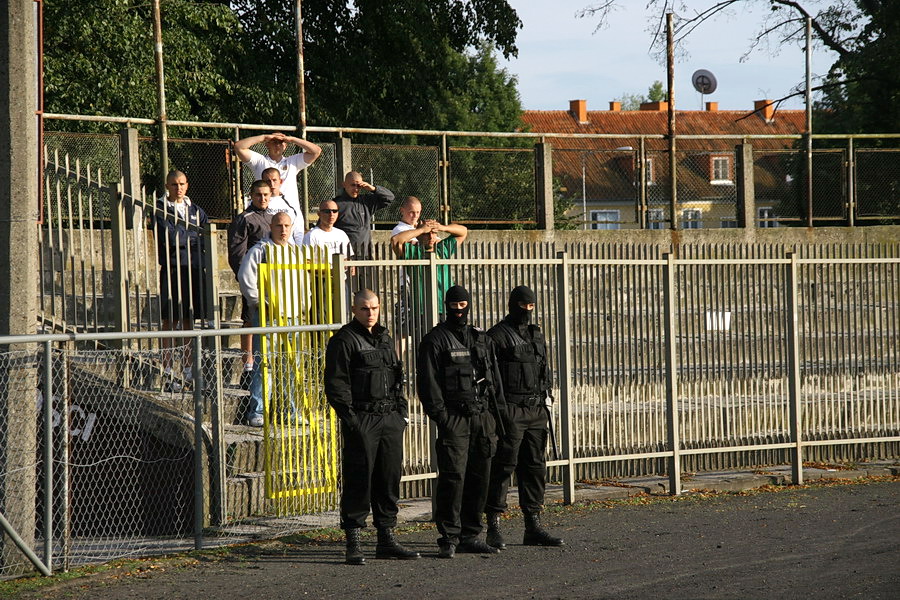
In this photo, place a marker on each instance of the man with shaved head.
(364, 385)
(357, 206)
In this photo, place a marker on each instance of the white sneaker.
(255, 421)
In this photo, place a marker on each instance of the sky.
(562, 58)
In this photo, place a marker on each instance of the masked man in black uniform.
(459, 388)
(363, 383)
(525, 372)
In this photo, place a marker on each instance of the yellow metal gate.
(300, 429)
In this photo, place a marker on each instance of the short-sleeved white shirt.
(336, 240)
(288, 166)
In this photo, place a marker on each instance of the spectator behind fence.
(357, 211)
(247, 229)
(428, 241)
(326, 234)
(279, 203)
(288, 166)
(248, 277)
(410, 211)
(179, 250)
(364, 385)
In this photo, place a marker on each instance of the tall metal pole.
(809, 156)
(670, 72)
(160, 93)
(301, 98)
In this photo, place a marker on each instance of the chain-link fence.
(593, 188)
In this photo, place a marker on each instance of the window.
(690, 219)
(721, 170)
(728, 223)
(656, 218)
(766, 217)
(604, 219)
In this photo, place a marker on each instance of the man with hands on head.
(288, 166)
(357, 205)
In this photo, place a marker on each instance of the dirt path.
(840, 541)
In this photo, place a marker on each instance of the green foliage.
(404, 63)
(655, 93)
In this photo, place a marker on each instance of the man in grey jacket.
(357, 209)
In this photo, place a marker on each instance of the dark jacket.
(342, 363)
(356, 214)
(432, 380)
(177, 242)
(245, 231)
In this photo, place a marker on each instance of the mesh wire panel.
(406, 171)
(706, 189)
(492, 185)
(877, 184)
(100, 152)
(602, 185)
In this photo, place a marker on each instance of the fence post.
(543, 185)
(746, 193)
(48, 456)
(851, 183)
(343, 160)
(642, 219)
(444, 188)
(199, 447)
(793, 341)
(216, 391)
(672, 421)
(338, 288)
(120, 278)
(564, 354)
(130, 168)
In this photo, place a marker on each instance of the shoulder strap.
(515, 338)
(442, 332)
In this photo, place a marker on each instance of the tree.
(861, 90)
(655, 93)
(404, 63)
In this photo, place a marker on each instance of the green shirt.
(446, 248)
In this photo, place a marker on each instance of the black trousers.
(371, 468)
(464, 449)
(522, 451)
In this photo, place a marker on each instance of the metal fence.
(758, 354)
(625, 186)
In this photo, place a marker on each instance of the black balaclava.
(517, 314)
(457, 318)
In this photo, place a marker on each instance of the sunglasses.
(328, 210)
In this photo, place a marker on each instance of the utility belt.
(529, 401)
(468, 408)
(378, 407)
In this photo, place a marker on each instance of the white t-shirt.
(336, 240)
(401, 227)
(288, 166)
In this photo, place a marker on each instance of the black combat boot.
(389, 548)
(354, 555)
(535, 535)
(494, 535)
(475, 546)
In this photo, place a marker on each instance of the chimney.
(712, 107)
(578, 109)
(655, 106)
(615, 106)
(766, 109)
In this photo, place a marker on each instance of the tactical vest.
(522, 363)
(373, 375)
(466, 372)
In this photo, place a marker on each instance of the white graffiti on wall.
(81, 422)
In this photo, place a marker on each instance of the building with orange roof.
(601, 175)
